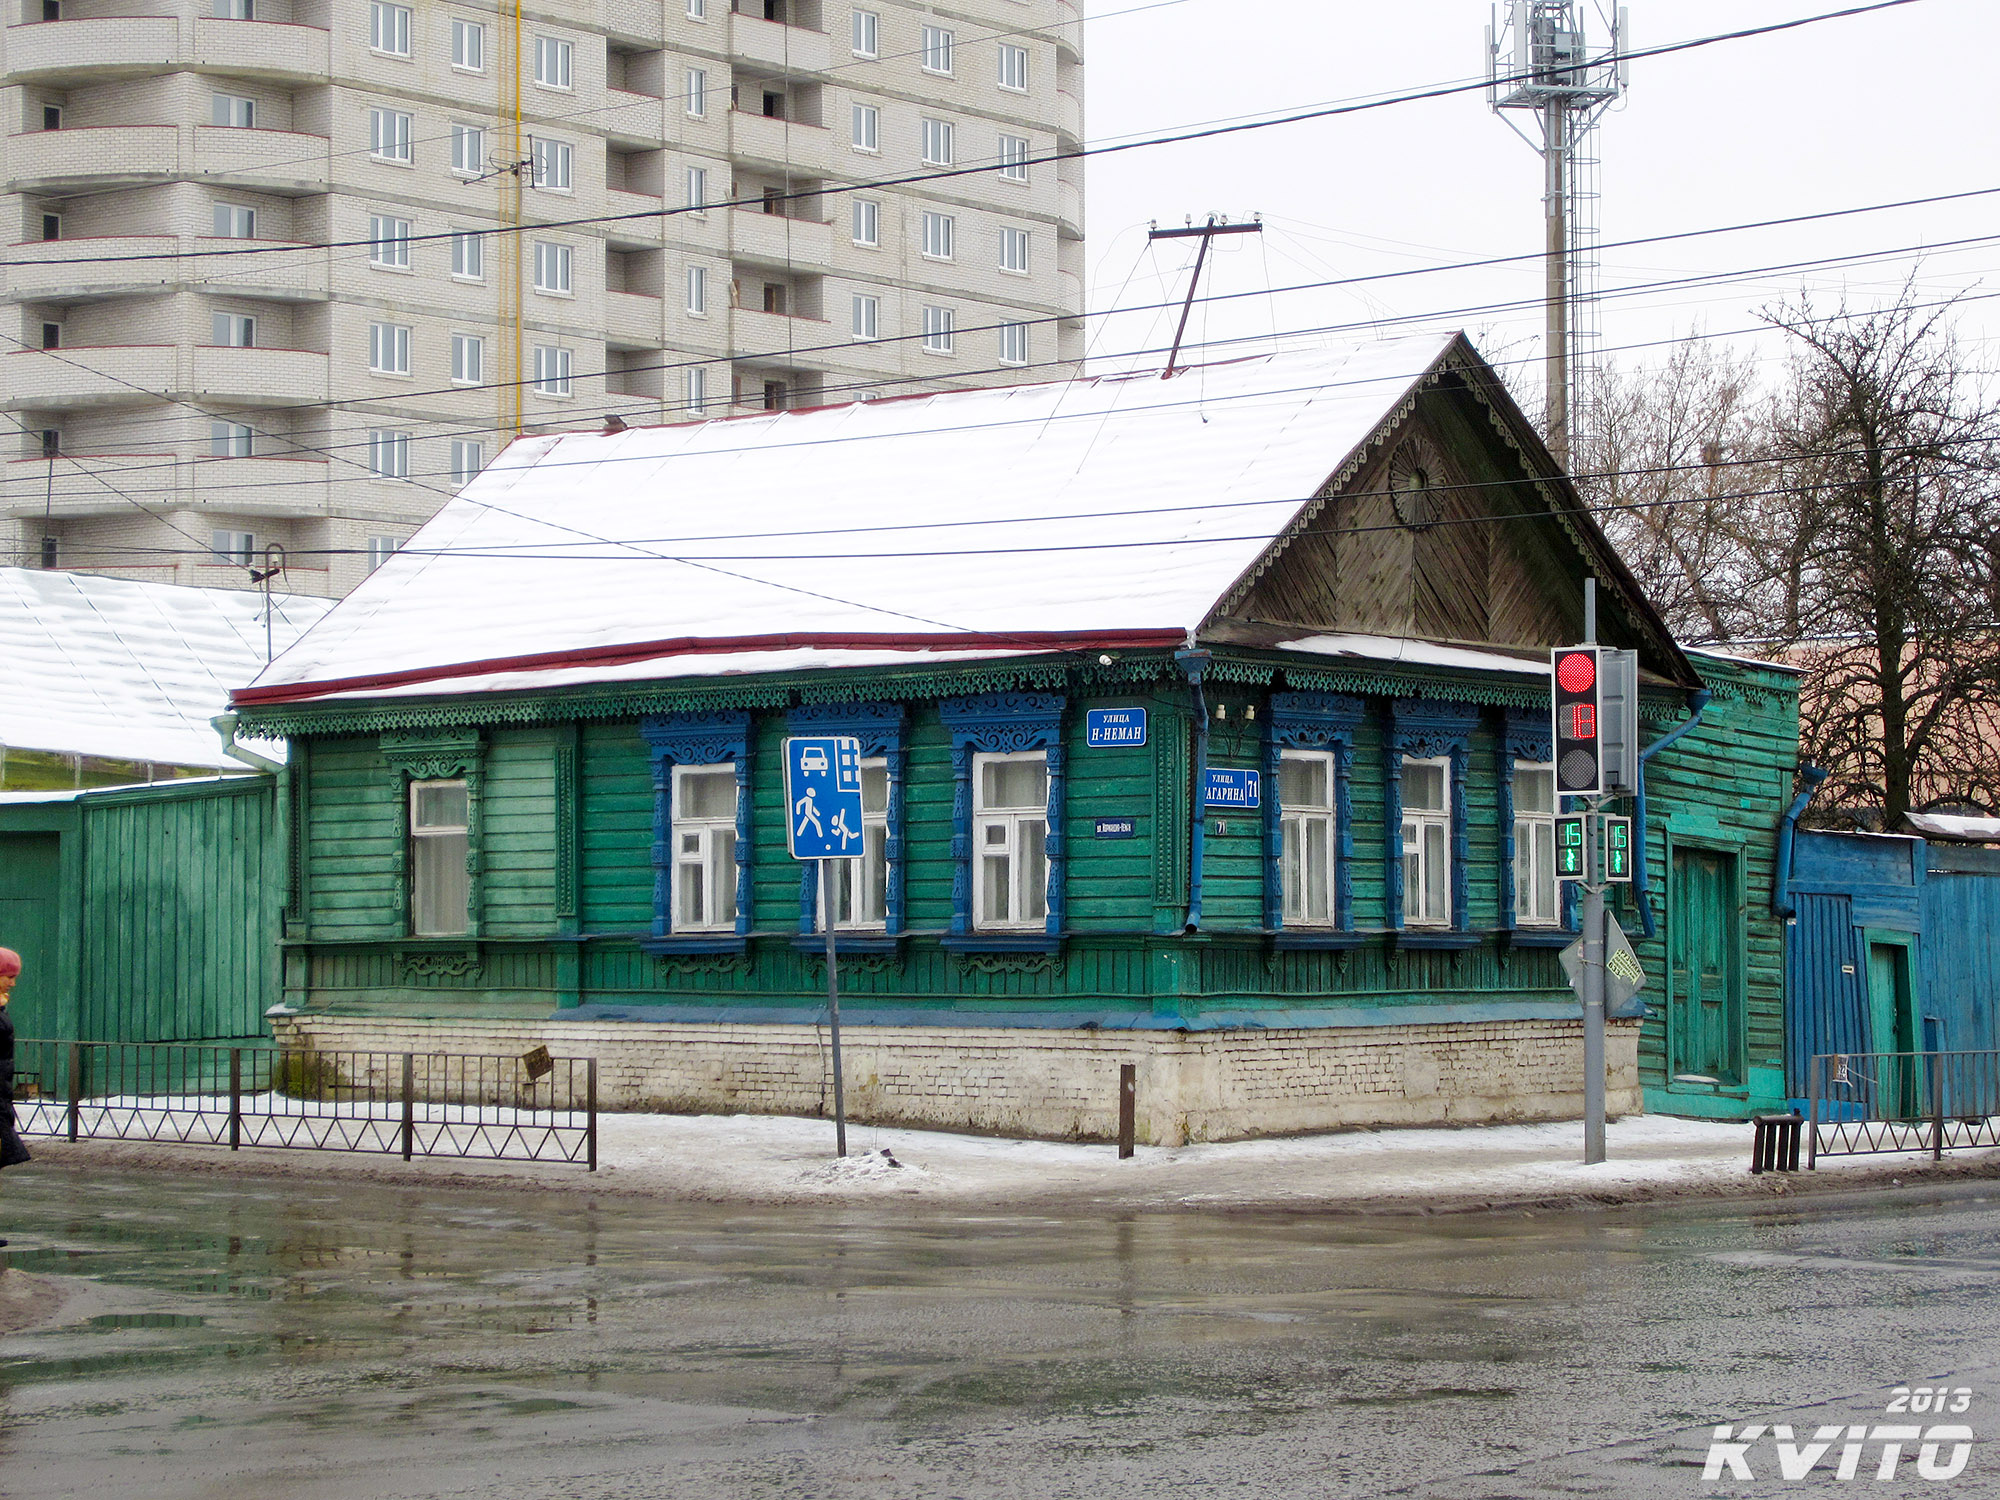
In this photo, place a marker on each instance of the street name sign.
(1232, 788)
(1105, 728)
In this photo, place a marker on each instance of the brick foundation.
(1054, 1084)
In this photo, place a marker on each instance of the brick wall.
(1054, 1084)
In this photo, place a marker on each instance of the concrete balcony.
(279, 161)
(780, 143)
(624, 231)
(255, 486)
(260, 49)
(774, 240)
(1069, 209)
(634, 20)
(96, 484)
(257, 377)
(1069, 115)
(779, 48)
(769, 338)
(53, 51)
(628, 116)
(108, 375)
(44, 160)
(120, 265)
(633, 319)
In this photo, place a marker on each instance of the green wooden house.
(1205, 724)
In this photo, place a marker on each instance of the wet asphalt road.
(234, 1337)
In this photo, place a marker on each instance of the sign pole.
(833, 1003)
(1593, 947)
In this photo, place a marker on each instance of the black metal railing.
(529, 1108)
(1865, 1102)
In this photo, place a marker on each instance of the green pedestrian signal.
(1570, 863)
(1618, 849)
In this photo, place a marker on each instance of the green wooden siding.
(353, 818)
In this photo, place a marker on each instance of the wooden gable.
(1450, 524)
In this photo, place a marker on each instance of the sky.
(1844, 113)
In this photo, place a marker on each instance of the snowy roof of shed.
(130, 671)
(1968, 830)
(1099, 512)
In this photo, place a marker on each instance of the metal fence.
(1864, 1102)
(529, 1108)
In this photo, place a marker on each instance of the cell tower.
(1538, 63)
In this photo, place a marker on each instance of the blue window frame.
(1527, 736)
(1005, 724)
(711, 738)
(1317, 722)
(1422, 729)
(881, 729)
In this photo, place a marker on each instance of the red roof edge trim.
(611, 656)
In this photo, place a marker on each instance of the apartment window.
(388, 242)
(866, 34)
(468, 150)
(1013, 68)
(697, 92)
(694, 391)
(232, 110)
(1010, 839)
(234, 10)
(235, 222)
(937, 142)
(774, 298)
(860, 888)
(468, 255)
(937, 330)
(380, 550)
(440, 840)
(1014, 251)
(552, 268)
(553, 160)
(232, 330)
(468, 359)
(867, 316)
(1013, 343)
(937, 49)
(697, 284)
(867, 128)
(52, 335)
(553, 60)
(697, 10)
(704, 834)
(468, 46)
(238, 549)
(389, 28)
(552, 371)
(51, 226)
(1014, 158)
(468, 457)
(867, 222)
(389, 135)
(697, 189)
(1309, 823)
(1427, 842)
(1535, 890)
(389, 348)
(229, 440)
(939, 235)
(388, 453)
(774, 395)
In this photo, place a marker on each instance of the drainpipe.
(1781, 883)
(225, 725)
(1195, 664)
(1641, 886)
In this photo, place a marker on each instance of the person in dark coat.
(12, 1152)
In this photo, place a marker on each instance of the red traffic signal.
(1578, 712)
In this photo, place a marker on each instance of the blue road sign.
(1231, 788)
(1116, 828)
(1105, 727)
(823, 792)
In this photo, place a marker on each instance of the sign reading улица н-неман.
(1107, 727)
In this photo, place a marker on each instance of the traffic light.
(1570, 860)
(1578, 739)
(1618, 849)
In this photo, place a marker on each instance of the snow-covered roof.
(130, 671)
(1951, 826)
(1395, 648)
(1024, 518)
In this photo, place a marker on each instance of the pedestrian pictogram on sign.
(1570, 847)
(823, 797)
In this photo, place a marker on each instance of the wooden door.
(1892, 1028)
(1705, 1017)
(28, 863)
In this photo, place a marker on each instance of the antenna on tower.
(1539, 64)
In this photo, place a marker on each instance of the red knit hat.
(10, 962)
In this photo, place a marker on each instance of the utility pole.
(1206, 231)
(1538, 64)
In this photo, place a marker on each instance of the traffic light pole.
(1593, 947)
